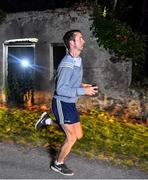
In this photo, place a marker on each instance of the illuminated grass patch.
(105, 137)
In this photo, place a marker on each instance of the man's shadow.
(52, 153)
(52, 149)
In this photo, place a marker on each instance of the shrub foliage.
(118, 38)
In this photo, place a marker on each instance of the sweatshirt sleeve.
(63, 84)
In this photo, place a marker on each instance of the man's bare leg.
(73, 132)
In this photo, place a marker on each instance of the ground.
(18, 162)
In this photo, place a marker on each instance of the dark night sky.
(134, 12)
(11, 6)
(27, 5)
(21, 5)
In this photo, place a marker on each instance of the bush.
(119, 39)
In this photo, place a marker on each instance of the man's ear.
(71, 42)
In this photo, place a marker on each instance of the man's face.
(78, 41)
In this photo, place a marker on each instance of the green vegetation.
(105, 137)
(119, 39)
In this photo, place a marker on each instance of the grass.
(106, 137)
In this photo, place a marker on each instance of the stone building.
(37, 36)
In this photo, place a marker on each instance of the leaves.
(118, 38)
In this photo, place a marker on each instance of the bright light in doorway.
(25, 63)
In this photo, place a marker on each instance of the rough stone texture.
(133, 104)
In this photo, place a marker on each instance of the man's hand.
(91, 90)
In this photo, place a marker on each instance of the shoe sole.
(56, 170)
(40, 119)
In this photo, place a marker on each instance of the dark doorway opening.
(20, 86)
(59, 52)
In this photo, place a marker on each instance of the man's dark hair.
(69, 35)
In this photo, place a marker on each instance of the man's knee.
(71, 140)
(79, 136)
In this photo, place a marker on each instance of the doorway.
(20, 74)
(57, 52)
(19, 60)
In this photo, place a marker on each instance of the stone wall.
(133, 104)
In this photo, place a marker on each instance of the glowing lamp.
(25, 63)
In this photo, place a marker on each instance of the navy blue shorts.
(65, 113)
